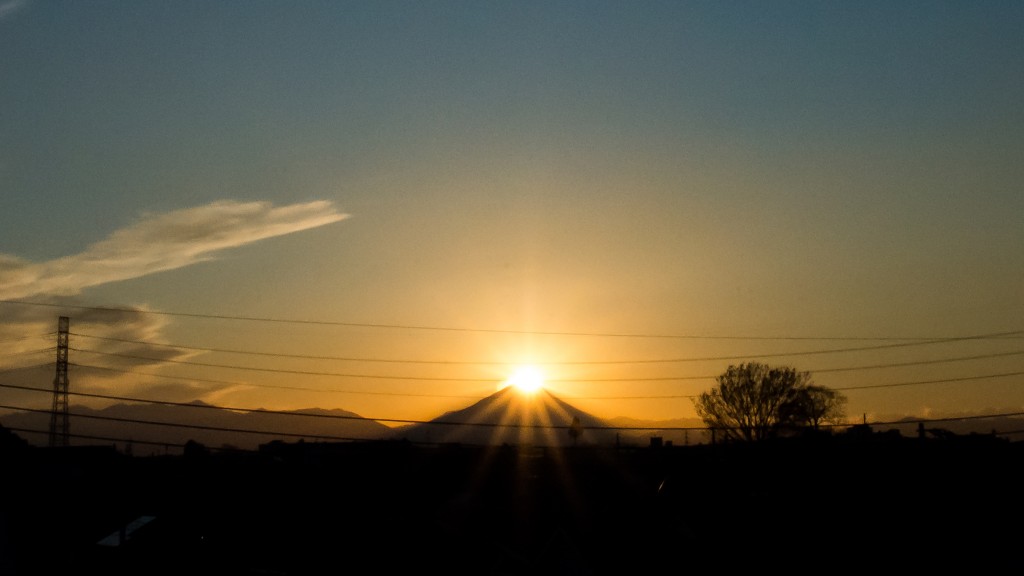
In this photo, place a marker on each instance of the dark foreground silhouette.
(395, 507)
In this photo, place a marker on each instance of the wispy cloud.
(10, 7)
(161, 242)
(115, 348)
(110, 347)
(28, 334)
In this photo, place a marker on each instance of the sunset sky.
(387, 206)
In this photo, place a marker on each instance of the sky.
(387, 206)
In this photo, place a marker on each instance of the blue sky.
(760, 170)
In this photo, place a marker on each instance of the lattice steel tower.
(59, 413)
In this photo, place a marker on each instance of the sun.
(526, 379)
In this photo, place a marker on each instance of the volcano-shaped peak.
(510, 416)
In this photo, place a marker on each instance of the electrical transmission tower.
(59, 413)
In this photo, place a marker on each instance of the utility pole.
(59, 414)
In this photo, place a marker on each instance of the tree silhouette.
(754, 401)
(813, 406)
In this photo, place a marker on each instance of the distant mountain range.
(155, 428)
(505, 417)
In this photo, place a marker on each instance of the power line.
(648, 397)
(191, 426)
(266, 411)
(558, 363)
(588, 380)
(271, 386)
(207, 406)
(215, 381)
(490, 330)
(232, 449)
(842, 388)
(921, 362)
(444, 423)
(130, 440)
(32, 367)
(645, 397)
(283, 355)
(478, 380)
(22, 338)
(26, 352)
(939, 381)
(281, 370)
(322, 437)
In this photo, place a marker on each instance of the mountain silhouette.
(507, 417)
(511, 417)
(147, 426)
